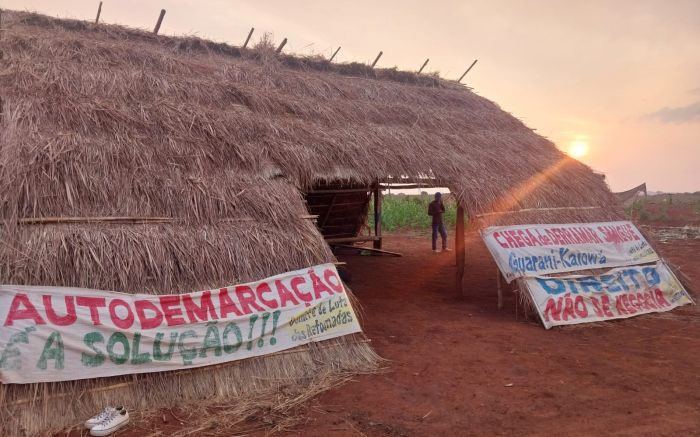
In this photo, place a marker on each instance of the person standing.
(436, 209)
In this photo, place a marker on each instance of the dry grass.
(232, 393)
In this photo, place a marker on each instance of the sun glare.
(578, 149)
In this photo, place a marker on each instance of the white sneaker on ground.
(447, 249)
(436, 251)
(113, 423)
(102, 416)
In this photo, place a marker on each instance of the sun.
(578, 149)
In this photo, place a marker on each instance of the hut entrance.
(342, 210)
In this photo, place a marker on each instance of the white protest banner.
(532, 250)
(617, 294)
(59, 334)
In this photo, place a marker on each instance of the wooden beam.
(465, 73)
(404, 186)
(423, 66)
(377, 59)
(340, 191)
(99, 10)
(349, 226)
(459, 247)
(281, 46)
(350, 239)
(334, 53)
(338, 204)
(247, 40)
(377, 216)
(159, 22)
(384, 252)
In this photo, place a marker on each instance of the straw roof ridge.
(262, 52)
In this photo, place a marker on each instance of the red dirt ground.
(452, 359)
(459, 366)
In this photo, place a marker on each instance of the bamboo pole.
(99, 11)
(557, 208)
(334, 53)
(465, 73)
(126, 220)
(282, 44)
(423, 66)
(159, 22)
(377, 59)
(247, 40)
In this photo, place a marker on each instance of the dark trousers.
(439, 227)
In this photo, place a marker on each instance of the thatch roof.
(219, 142)
(133, 123)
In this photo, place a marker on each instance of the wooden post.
(499, 290)
(328, 212)
(423, 66)
(247, 40)
(459, 247)
(377, 59)
(282, 44)
(465, 73)
(334, 53)
(159, 22)
(377, 216)
(99, 10)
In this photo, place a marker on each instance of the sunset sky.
(617, 82)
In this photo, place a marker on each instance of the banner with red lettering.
(532, 250)
(59, 334)
(617, 294)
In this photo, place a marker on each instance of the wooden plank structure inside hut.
(144, 163)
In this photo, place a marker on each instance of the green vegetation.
(400, 211)
(638, 209)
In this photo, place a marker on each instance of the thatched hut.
(136, 162)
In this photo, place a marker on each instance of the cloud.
(681, 114)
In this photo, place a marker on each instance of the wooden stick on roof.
(99, 10)
(423, 66)
(247, 40)
(334, 53)
(377, 59)
(465, 73)
(282, 44)
(160, 21)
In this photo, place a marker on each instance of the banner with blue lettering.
(617, 294)
(532, 250)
